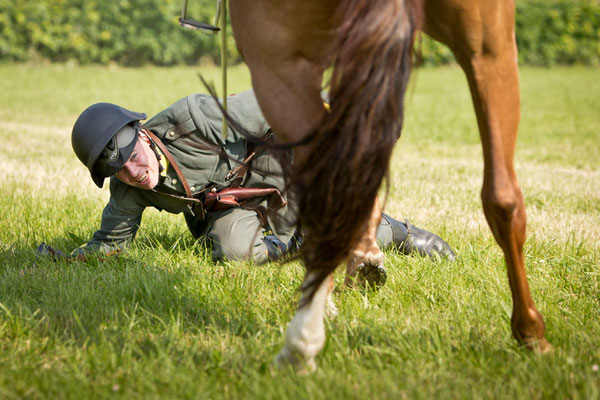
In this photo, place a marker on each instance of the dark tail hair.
(338, 181)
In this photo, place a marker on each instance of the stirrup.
(203, 26)
(192, 24)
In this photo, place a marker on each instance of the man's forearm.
(95, 247)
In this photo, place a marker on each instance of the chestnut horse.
(346, 150)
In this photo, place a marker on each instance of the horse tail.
(339, 180)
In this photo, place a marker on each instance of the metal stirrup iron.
(203, 26)
(220, 18)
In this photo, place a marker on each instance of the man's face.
(141, 169)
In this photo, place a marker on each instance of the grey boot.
(276, 248)
(411, 239)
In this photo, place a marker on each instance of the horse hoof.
(539, 346)
(301, 367)
(373, 276)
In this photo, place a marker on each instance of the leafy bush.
(135, 32)
(549, 32)
(558, 32)
(429, 52)
(129, 32)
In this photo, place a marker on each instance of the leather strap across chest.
(172, 161)
(233, 196)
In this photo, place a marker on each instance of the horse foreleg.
(305, 334)
(365, 264)
(497, 106)
(483, 40)
(497, 109)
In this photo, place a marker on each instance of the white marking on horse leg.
(305, 335)
(331, 310)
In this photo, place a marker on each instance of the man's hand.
(48, 251)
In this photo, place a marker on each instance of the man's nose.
(131, 169)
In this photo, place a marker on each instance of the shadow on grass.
(87, 300)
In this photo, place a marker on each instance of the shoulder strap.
(172, 161)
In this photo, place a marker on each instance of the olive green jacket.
(191, 131)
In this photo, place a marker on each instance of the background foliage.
(559, 32)
(549, 32)
(136, 32)
(129, 32)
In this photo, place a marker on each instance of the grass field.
(163, 321)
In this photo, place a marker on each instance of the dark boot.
(276, 248)
(411, 239)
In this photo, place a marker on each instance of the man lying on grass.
(179, 161)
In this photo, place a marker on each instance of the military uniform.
(191, 129)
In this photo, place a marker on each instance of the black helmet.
(103, 138)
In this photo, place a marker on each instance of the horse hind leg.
(497, 106)
(486, 50)
(305, 334)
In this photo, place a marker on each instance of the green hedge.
(549, 32)
(129, 32)
(135, 32)
(558, 32)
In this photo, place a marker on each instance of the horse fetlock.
(366, 269)
(305, 337)
(306, 346)
(301, 367)
(529, 328)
